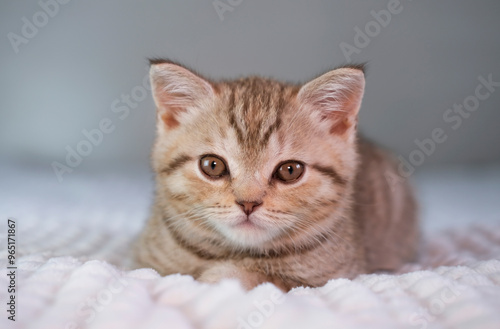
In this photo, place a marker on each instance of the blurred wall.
(74, 65)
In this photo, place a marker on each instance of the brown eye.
(213, 166)
(289, 171)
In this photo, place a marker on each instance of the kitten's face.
(250, 162)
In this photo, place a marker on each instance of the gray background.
(67, 76)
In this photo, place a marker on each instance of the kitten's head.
(250, 162)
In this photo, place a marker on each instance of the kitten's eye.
(213, 166)
(289, 171)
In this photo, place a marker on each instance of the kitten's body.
(342, 217)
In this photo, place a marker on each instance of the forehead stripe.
(232, 118)
(249, 102)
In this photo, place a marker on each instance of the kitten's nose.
(248, 206)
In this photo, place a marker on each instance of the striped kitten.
(268, 182)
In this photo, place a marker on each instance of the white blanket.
(74, 239)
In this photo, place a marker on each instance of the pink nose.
(248, 207)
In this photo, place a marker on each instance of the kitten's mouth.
(247, 223)
(248, 231)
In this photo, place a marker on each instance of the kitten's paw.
(222, 271)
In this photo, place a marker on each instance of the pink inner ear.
(175, 90)
(342, 124)
(168, 107)
(169, 119)
(340, 111)
(337, 96)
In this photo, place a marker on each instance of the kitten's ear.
(177, 91)
(336, 98)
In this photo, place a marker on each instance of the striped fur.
(339, 219)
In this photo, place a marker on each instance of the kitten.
(269, 182)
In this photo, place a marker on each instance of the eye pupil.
(214, 164)
(290, 170)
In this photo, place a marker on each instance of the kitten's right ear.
(177, 91)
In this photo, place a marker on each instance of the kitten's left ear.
(336, 96)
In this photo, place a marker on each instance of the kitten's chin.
(247, 233)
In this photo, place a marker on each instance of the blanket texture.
(73, 259)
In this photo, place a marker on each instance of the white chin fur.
(247, 236)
